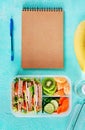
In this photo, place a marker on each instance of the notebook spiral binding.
(41, 9)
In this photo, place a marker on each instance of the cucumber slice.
(49, 108)
(55, 103)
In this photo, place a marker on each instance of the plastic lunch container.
(38, 96)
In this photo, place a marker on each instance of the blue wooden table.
(74, 12)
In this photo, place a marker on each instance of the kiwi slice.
(48, 92)
(49, 86)
(48, 83)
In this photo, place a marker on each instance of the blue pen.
(11, 35)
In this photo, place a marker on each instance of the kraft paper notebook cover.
(42, 38)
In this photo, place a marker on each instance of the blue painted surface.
(74, 13)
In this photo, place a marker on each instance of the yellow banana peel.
(79, 44)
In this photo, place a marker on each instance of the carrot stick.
(61, 100)
(64, 105)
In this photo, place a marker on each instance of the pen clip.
(11, 26)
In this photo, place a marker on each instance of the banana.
(79, 44)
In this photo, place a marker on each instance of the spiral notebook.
(42, 38)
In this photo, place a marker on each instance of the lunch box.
(40, 95)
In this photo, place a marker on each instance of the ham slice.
(38, 96)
